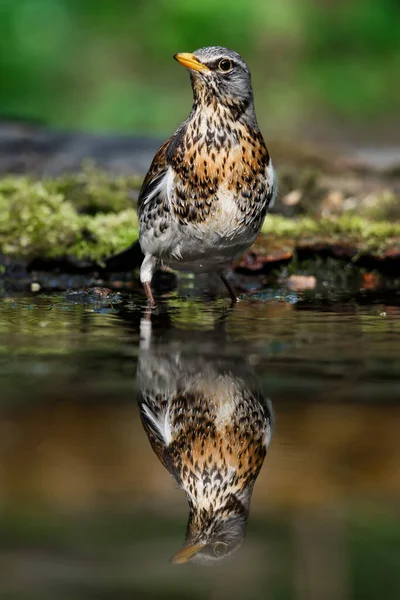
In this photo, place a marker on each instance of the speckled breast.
(222, 185)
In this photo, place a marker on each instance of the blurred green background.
(321, 68)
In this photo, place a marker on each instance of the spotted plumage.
(210, 427)
(209, 186)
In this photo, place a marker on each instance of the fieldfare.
(210, 426)
(205, 196)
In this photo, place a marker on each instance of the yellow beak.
(185, 554)
(190, 61)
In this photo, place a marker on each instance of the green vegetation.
(41, 219)
(91, 215)
(102, 65)
(365, 235)
(93, 190)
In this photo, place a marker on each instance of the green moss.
(93, 190)
(35, 220)
(91, 215)
(366, 235)
(38, 220)
(106, 234)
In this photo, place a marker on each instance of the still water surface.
(87, 509)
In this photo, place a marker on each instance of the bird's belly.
(207, 251)
(212, 244)
(209, 242)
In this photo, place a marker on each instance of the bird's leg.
(230, 288)
(146, 275)
(149, 293)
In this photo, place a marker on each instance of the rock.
(371, 281)
(298, 283)
(292, 198)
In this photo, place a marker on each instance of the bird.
(207, 191)
(210, 426)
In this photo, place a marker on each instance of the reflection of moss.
(373, 553)
(91, 215)
(114, 554)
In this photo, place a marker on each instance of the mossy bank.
(90, 215)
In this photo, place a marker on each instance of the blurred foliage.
(106, 64)
(109, 554)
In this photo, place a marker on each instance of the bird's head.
(218, 75)
(214, 534)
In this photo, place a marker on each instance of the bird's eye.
(220, 549)
(225, 65)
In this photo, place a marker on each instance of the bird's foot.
(231, 289)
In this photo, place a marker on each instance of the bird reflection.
(210, 427)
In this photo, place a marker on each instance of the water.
(88, 510)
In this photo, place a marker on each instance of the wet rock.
(254, 262)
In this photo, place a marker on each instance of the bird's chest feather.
(220, 462)
(220, 445)
(210, 205)
(219, 175)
